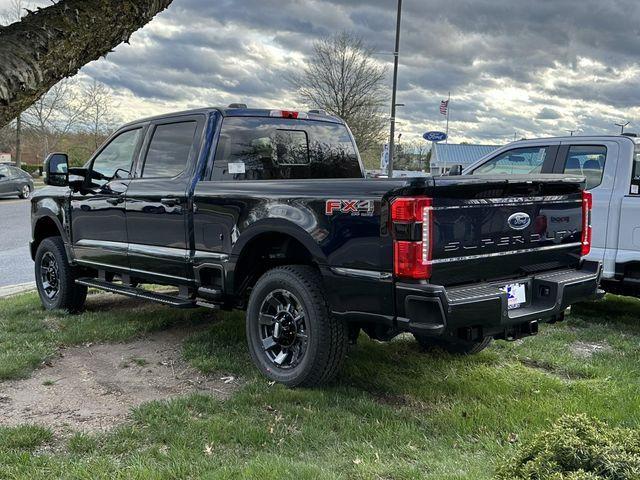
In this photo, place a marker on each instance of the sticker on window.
(236, 167)
(634, 189)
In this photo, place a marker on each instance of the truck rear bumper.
(481, 310)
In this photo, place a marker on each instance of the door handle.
(115, 201)
(170, 202)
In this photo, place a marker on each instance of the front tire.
(25, 191)
(292, 336)
(455, 346)
(55, 278)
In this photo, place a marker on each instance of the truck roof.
(568, 138)
(246, 112)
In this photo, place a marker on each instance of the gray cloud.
(548, 114)
(536, 67)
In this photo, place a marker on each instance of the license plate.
(516, 295)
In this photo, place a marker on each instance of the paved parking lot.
(16, 266)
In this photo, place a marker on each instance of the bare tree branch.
(343, 78)
(99, 118)
(56, 114)
(55, 42)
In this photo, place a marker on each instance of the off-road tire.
(70, 296)
(455, 346)
(327, 336)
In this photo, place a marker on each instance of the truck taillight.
(412, 256)
(587, 229)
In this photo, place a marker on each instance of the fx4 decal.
(351, 207)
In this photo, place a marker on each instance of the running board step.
(170, 300)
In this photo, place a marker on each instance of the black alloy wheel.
(283, 331)
(49, 275)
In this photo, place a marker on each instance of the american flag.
(444, 105)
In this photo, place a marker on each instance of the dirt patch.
(587, 349)
(93, 387)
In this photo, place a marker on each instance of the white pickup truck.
(611, 165)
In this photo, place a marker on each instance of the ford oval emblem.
(519, 221)
(435, 136)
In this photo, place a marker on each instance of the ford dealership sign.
(435, 136)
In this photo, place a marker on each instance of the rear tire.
(292, 336)
(455, 346)
(55, 278)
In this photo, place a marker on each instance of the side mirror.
(455, 170)
(56, 170)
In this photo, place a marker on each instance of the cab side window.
(635, 179)
(116, 158)
(519, 161)
(586, 161)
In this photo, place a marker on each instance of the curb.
(12, 290)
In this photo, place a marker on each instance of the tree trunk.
(56, 41)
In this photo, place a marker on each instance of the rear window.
(635, 180)
(252, 148)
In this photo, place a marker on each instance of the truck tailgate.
(490, 228)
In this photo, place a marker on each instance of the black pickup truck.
(269, 211)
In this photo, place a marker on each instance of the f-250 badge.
(350, 207)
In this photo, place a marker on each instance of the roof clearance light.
(288, 114)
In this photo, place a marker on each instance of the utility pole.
(396, 55)
(19, 141)
(621, 125)
(446, 140)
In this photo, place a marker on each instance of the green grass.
(394, 412)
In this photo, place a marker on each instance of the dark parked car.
(269, 212)
(15, 182)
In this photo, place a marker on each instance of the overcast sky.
(514, 67)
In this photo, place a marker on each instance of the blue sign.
(435, 136)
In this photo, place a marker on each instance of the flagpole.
(446, 140)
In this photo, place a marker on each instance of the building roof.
(449, 154)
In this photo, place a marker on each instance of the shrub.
(577, 448)
(31, 169)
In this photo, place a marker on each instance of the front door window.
(115, 160)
